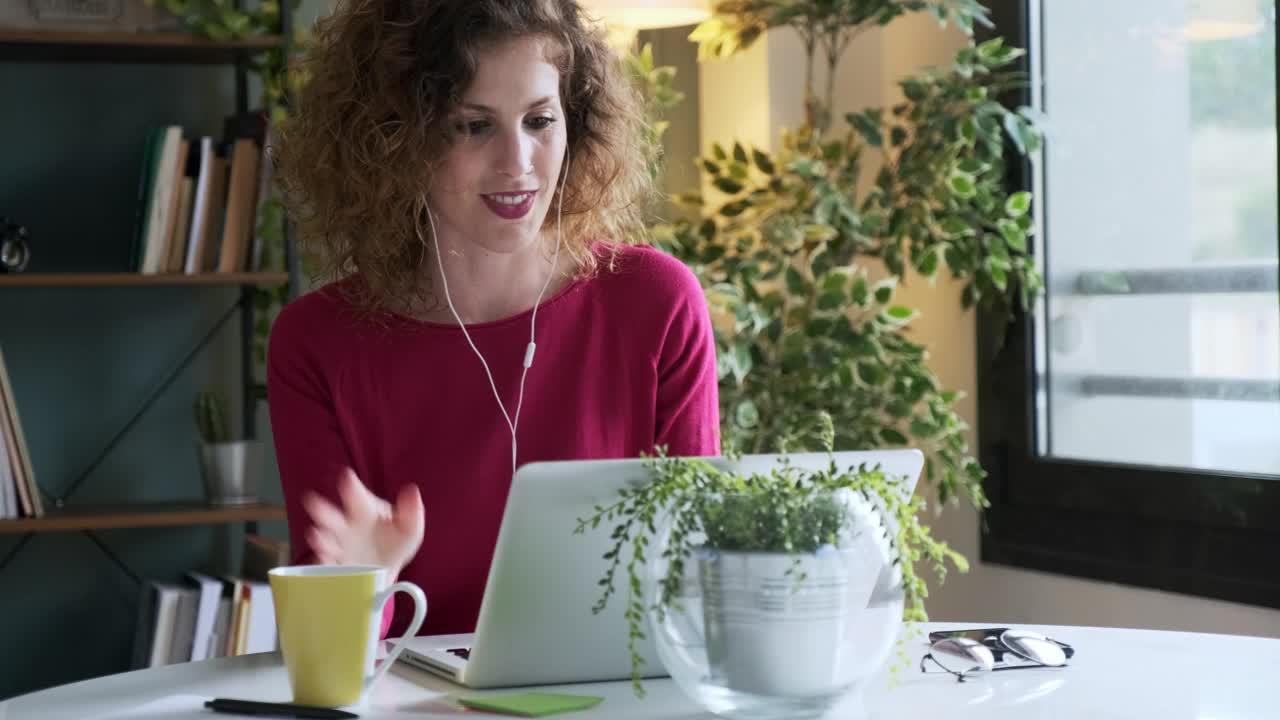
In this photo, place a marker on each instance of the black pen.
(253, 707)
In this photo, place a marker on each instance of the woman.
(471, 172)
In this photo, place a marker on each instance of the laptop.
(535, 625)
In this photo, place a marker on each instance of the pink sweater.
(625, 362)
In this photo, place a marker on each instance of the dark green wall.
(83, 359)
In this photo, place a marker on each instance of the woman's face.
(497, 181)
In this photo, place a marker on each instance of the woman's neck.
(485, 286)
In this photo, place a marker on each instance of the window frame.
(1207, 534)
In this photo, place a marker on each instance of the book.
(209, 591)
(16, 446)
(145, 179)
(202, 207)
(172, 251)
(160, 208)
(238, 223)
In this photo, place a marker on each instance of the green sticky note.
(532, 704)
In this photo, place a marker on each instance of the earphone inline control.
(512, 422)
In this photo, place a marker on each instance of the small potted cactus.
(231, 468)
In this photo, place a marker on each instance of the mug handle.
(419, 614)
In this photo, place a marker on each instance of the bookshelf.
(170, 47)
(138, 279)
(112, 513)
(141, 516)
(109, 47)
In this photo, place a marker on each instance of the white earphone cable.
(512, 424)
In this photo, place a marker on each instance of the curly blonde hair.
(383, 79)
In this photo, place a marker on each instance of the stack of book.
(19, 494)
(199, 199)
(206, 616)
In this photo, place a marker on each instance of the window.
(1131, 424)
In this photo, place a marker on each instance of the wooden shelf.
(141, 515)
(175, 47)
(130, 279)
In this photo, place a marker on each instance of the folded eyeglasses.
(965, 657)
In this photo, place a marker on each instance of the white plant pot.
(769, 632)
(232, 471)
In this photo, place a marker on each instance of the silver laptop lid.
(536, 626)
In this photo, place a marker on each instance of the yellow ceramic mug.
(328, 617)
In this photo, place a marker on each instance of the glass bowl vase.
(765, 635)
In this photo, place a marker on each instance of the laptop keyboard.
(464, 653)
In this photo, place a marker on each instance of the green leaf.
(928, 265)
(724, 365)
(818, 327)
(898, 315)
(796, 284)
(646, 58)
(707, 229)
(762, 162)
(727, 185)
(874, 223)
(739, 153)
(815, 232)
(712, 253)
(1018, 204)
(711, 167)
(990, 48)
(1013, 235)
(954, 226)
(859, 293)
(884, 290)
(923, 429)
(825, 209)
(843, 331)
(892, 436)
(962, 185)
(1023, 133)
(901, 312)
(999, 277)
(872, 373)
(746, 414)
(914, 89)
(866, 127)
(834, 282)
(742, 359)
(717, 151)
(845, 374)
(830, 300)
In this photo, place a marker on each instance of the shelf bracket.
(114, 558)
(14, 550)
(170, 377)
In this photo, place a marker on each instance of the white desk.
(1115, 674)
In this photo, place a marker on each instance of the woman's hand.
(366, 530)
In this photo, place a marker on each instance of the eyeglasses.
(965, 657)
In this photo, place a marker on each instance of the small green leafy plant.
(787, 510)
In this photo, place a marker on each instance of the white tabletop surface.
(1115, 674)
